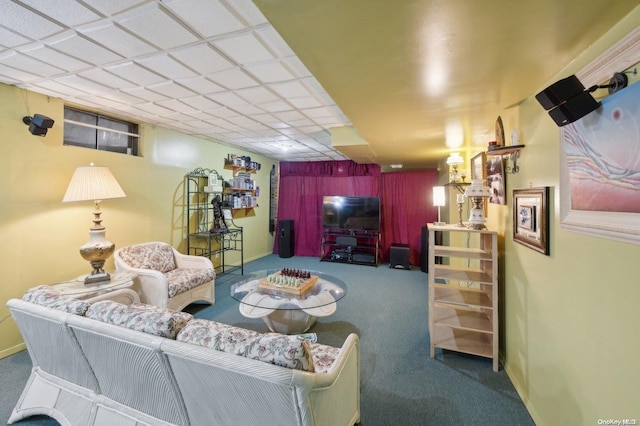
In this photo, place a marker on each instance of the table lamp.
(438, 200)
(94, 183)
(477, 191)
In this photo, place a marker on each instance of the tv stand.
(350, 246)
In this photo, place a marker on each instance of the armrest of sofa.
(190, 261)
(151, 285)
(343, 379)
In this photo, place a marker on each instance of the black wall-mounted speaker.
(560, 92)
(38, 124)
(574, 109)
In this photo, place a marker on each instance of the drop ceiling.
(402, 81)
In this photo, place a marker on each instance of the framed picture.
(599, 163)
(531, 218)
(496, 180)
(479, 167)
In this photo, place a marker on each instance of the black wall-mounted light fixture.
(38, 124)
(567, 100)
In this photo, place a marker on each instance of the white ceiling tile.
(270, 72)
(152, 23)
(244, 49)
(233, 79)
(58, 87)
(289, 116)
(223, 112)
(118, 40)
(142, 93)
(11, 39)
(26, 63)
(200, 85)
(152, 108)
(305, 102)
(98, 102)
(113, 7)
(25, 22)
(171, 90)
(241, 120)
(202, 58)
(67, 12)
(123, 97)
(16, 75)
(83, 84)
(248, 109)
(208, 17)
(257, 95)
(301, 122)
(135, 73)
(275, 106)
(101, 76)
(317, 112)
(55, 58)
(271, 38)
(227, 98)
(81, 48)
(290, 89)
(167, 66)
(248, 11)
(201, 103)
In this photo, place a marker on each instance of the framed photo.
(531, 218)
(599, 166)
(495, 179)
(479, 167)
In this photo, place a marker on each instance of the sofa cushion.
(180, 280)
(47, 296)
(279, 349)
(141, 317)
(155, 256)
(323, 356)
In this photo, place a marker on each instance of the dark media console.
(357, 247)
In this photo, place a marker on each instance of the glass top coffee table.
(284, 312)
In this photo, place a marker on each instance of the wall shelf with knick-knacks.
(511, 152)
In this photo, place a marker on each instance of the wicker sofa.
(106, 363)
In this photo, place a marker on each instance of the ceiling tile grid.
(214, 69)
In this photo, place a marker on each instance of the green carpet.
(400, 383)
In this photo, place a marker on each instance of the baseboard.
(13, 350)
(523, 396)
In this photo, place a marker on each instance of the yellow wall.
(40, 236)
(570, 320)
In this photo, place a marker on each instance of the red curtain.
(405, 199)
(407, 205)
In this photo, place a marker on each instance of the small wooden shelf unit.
(463, 292)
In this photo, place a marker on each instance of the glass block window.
(96, 131)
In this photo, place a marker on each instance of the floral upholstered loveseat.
(165, 277)
(105, 363)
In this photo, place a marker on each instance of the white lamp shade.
(438, 196)
(455, 159)
(92, 183)
(476, 189)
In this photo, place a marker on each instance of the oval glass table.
(284, 312)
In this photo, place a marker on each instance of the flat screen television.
(351, 213)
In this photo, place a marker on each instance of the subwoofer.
(285, 241)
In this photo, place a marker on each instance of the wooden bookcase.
(463, 291)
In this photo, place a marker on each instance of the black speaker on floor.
(285, 241)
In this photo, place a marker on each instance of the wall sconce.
(454, 160)
(438, 200)
(38, 124)
(567, 100)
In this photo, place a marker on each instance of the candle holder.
(460, 224)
